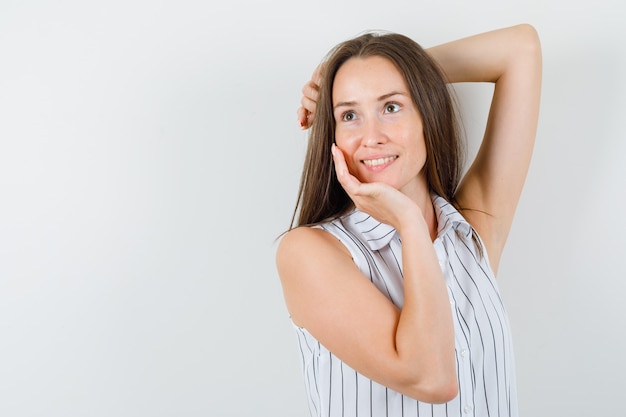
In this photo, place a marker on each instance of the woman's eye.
(348, 116)
(392, 108)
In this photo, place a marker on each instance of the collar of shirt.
(378, 235)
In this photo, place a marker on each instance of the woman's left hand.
(310, 93)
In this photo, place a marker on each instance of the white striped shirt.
(484, 354)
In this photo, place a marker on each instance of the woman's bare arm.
(511, 59)
(409, 350)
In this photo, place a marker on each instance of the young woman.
(388, 270)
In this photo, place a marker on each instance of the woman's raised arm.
(510, 58)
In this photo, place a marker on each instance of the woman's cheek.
(348, 157)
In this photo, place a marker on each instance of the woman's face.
(378, 127)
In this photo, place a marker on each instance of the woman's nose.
(373, 133)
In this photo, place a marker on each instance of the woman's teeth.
(379, 161)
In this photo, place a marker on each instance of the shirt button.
(468, 409)
(464, 352)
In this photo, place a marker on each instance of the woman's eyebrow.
(381, 98)
(345, 104)
(389, 95)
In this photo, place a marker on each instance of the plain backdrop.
(150, 156)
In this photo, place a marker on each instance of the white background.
(150, 155)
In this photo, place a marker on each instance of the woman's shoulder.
(306, 256)
(307, 241)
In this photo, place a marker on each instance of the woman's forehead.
(370, 77)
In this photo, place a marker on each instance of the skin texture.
(410, 350)
(377, 119)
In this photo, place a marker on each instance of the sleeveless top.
(484, 353)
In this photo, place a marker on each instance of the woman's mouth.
(379, 162)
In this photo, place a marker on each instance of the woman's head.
(321, 196)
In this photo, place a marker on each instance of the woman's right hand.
(310, 94)
(379, 200)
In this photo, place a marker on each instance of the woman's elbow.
(443, 392)
(435, 391)
(528, 38)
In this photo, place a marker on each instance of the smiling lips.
(379, 163)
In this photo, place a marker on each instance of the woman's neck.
(428, 211)
(421, 195)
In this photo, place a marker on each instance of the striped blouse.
(484, 354)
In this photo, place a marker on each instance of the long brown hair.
(321, 196)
